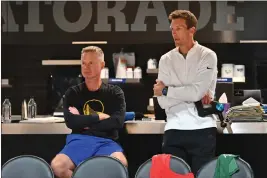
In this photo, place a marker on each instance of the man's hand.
(158, 87)
(103, 116)
(73, 110)
(206, 99)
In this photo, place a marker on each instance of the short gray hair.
(94, 49)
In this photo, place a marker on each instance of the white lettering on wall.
(80, 24)
(103, 12)
(158, 11)
(223, 11)
(10, 24)
(33, 24)
(205, 14)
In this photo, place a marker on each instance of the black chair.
(177, 165)
(27, 166)
(101, 167)
(208, 170)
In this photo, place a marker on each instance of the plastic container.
(227, 71)
(138, 73)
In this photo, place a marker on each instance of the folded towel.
(226, 166)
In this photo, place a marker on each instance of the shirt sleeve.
(213, 86)
(202, 83)
(117, 117)
(164, 76)
(74, 121)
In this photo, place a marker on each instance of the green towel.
(226, 166)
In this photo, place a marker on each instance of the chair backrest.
(27, 166)
(177, 165)
(101, 167)
(208, 170)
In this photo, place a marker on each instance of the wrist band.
(165, 91)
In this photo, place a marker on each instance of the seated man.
(94, 111)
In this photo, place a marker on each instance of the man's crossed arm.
(101, 121)
(193, 92)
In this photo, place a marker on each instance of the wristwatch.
(165, 91)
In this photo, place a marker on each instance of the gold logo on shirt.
(93, 106)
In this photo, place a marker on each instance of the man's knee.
(60, 165)
(120, 156)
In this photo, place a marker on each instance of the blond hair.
(189, 17)
(94, 49)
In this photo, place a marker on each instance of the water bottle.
(6, 111)
(138, 73)
(32, 108)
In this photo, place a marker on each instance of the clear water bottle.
(32, 108)
(6, 111)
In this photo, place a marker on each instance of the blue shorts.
(81, 147)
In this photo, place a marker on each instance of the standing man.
(94, 111)
(187, 74)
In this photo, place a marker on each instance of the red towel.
(160, 168)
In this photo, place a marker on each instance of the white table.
(133, 127)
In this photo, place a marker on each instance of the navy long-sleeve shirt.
(108, 99)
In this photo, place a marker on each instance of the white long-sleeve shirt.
(188, 80)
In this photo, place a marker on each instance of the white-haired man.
(94, 111)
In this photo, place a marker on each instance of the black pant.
(196, 147)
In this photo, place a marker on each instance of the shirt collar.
(191, 50)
